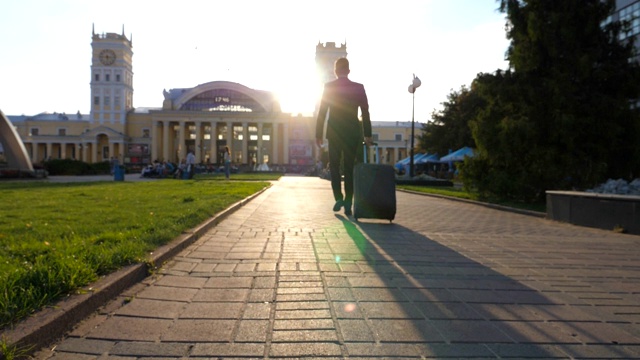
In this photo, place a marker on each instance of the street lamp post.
(412, 89)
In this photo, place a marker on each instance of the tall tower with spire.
(111, 79)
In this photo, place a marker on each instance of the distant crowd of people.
(187, 168)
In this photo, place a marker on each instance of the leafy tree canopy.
(561, 117)
(449, 128)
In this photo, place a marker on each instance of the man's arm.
(366, 118)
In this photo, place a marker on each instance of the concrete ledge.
(603, 211)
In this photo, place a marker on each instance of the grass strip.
(57, 237)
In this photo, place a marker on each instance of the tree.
(561, 116)
(449, 128)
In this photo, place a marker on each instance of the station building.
(203, 119)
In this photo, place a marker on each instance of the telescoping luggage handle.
(375, 144)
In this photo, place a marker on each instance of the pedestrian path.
(285, 277)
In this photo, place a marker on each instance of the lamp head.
(414, 84)
(416, 81)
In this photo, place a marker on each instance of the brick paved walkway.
(285, 277)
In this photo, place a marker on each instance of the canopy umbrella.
(407, 160)
(433, 158)
(458, 155)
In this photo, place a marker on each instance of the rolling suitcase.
(374, 190)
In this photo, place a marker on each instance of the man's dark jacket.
(341, 98)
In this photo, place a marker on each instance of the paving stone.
(252, 331)
(167, 293)
(406, 331)
(229, 282)
(200, 330)
(303, 324)
(257, 311)
(227, 350)
(222, 295)
(151, 308)
(262, 295)
(381, 350)
(304, 336)
(212, 310)
(85, 346)
(302, 305)
(390, 310)
(130, 328)
(141, 349)
(355, 330)
(72, 356)
(457, 351)
(181, 281)
(297, 349)
(303, 314)
(347, 310)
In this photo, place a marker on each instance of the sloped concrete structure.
(16, 153)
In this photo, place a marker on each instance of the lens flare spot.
(350, 307)
(337, 259)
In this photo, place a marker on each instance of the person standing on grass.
(227, 162)
(342, 98)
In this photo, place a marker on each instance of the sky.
(263, 44)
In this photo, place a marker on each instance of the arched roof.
(224, 96)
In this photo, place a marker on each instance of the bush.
(75, 167)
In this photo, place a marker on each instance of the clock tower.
(111, 80)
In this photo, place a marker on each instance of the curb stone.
(54, 321)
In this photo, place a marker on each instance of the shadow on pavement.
(446, 304)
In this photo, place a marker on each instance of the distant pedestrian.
(227, 162)
(191, 164)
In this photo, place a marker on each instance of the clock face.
(107, 57)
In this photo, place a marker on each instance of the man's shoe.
(347, 211)
(337, 206)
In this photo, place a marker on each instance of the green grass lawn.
(57, 237)
(460, 193)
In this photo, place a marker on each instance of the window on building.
(107, 100)
(238, 132)
(116, 100)
(34, 132)
(107, 77)
(253, 137)
(62, 132)
(117, 77)
(266, 137)
(398, 137)
(96, 100)
(146, 133)
(97, 77)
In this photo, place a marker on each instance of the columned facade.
(252, 142)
